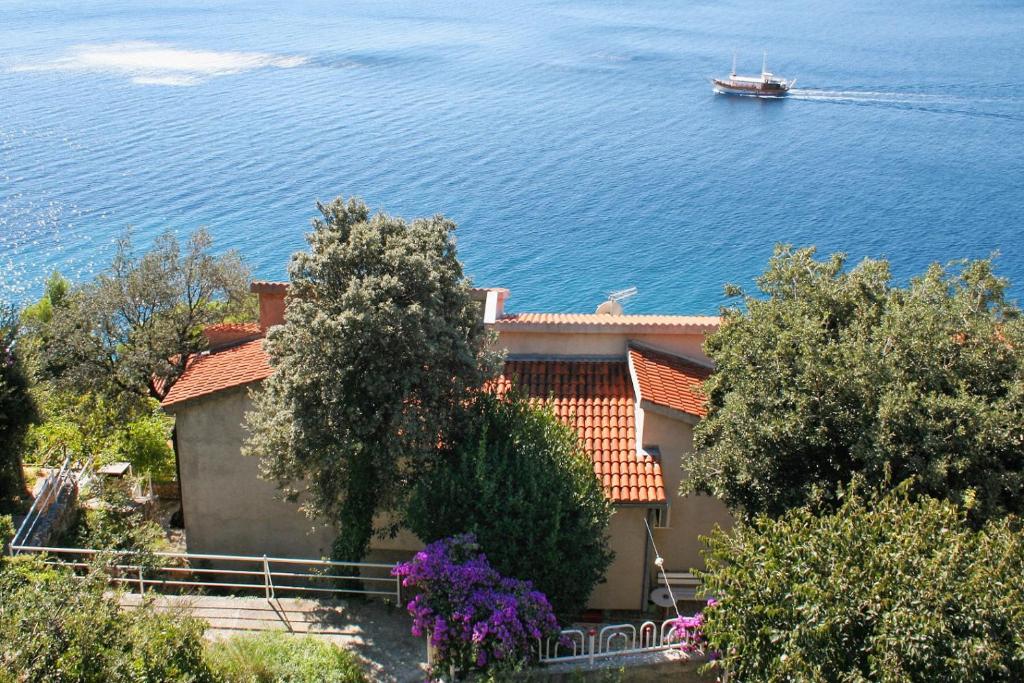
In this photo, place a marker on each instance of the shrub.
(55, 627)
(118, 524)
(474, 617)
(7, 531)
(884, 589)
(275, 656)
(131, 429)
(519, 481)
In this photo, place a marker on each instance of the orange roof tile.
(596, 398)
(527, 320)
(224, 334)
(670, 381)
(211, 372)
(268, 287)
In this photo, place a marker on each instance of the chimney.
(271, 296)
(492, 301)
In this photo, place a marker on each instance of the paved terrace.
(378, 634)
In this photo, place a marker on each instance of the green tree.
(517, 478)
(132, 429)
(884, 589)
(132, 330)
(17, 412)
(380, 348)
(832, 372)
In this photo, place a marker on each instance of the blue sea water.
(577, 143)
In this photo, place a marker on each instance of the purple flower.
(475, 616)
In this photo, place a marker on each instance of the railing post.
(268, 581)
(592, 633)
(142, 583)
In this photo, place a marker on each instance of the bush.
(7, 531)
(55, 627)
(474, 617)
(519, 481)
(274, 656)
(884, 589)
(117, 523)
(131, 429)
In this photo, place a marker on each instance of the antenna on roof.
(614, 304)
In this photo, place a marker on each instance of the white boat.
(765, 85)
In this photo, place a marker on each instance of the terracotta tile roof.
(596, 398)
(668, 380)
(211, 372)
(224, 334)
(268, 287)
(527, 320)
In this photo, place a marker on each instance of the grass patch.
(277, 656)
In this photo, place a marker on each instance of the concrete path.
(378, 634)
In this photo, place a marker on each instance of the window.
(661, 518)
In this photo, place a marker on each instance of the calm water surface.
(577, 143)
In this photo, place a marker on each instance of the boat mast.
(764, 64)
(734, 63)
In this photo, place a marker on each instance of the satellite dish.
(662, 597)
(613, 306)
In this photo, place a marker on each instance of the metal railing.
(162, 571)
(614, 640)
(49, 493)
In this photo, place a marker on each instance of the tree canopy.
(381, 346)
(883, 589)
(133, 329)
(519, 481)
(833, 371)
(17, 412)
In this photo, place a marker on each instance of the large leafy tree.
(381, 346)
(885, 588)
(132, 330)
(832, 371)
(518, 479)
(17, 411)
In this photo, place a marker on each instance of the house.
(627, 383)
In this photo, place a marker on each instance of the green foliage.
(834, 372)
(117, 523)
(56, 628)
(144, 443)
(884, 589)
(7, 531)
(132, 429)
(519, 481)
(380, 348)
(132, 330)
(17, 412)
(274, 657)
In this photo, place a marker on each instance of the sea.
(577, 143)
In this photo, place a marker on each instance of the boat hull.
(726, 88)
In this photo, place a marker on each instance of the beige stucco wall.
(229, 509)
(623, 587)
(690, 517)
(597, 344)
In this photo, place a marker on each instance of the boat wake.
(924, 102)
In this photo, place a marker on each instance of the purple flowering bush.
(689, 631)
(474, 616)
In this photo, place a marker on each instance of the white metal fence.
(614, 640)
(181, 572)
